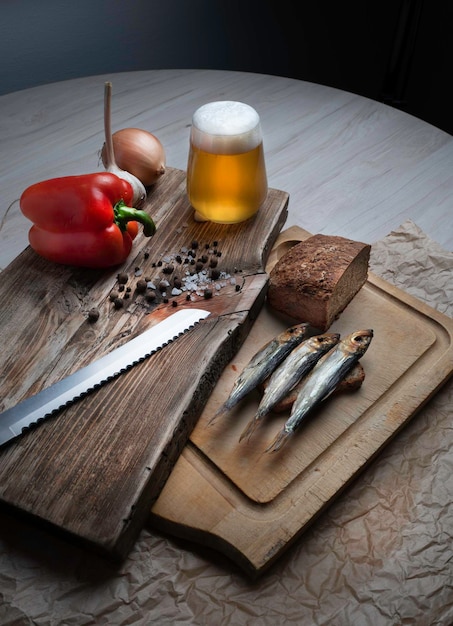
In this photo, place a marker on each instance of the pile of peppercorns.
(193, 270)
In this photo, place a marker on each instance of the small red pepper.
(83, 220)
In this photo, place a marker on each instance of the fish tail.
(249, 429)
(219, 413)
(279, 441)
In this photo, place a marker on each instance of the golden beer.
(226, 172)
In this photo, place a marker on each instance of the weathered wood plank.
(94, 470)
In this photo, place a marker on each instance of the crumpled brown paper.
(418, 265)
(382, 554)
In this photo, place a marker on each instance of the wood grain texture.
(352, 166)
(251, 505)
(93, 471)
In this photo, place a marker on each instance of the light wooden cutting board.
(252, 505)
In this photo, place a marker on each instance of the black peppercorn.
(141, 286)
(113, 296)
(93, 315)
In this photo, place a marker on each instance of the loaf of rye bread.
(317, 278)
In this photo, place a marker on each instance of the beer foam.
(226, 127)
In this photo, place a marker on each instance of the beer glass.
(226, 172)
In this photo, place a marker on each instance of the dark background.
(395, 51)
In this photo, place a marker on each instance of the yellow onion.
(138, 152)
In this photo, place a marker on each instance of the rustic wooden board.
(94, 471)
(252, 505)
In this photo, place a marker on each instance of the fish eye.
(362, 337)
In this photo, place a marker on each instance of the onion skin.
(138, 152)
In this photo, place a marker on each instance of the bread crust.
(317, 278)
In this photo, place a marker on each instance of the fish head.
(359, 341)
(299, 331)
(324, 342)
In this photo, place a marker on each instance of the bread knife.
(32, 411)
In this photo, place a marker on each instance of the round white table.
(352, 167)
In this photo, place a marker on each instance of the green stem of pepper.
(124, 214)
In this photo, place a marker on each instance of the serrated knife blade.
(34, 410)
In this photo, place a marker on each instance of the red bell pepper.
(83, 220)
